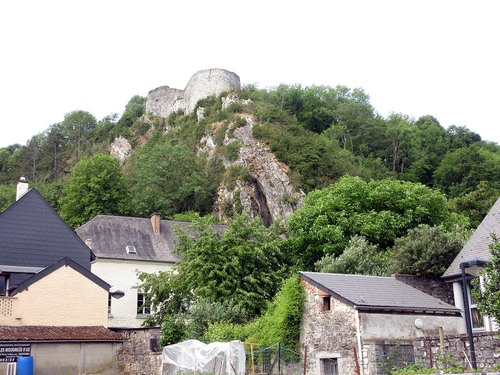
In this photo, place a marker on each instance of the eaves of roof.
(46, 271)
(48, 334)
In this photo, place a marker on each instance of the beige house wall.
(63, 298)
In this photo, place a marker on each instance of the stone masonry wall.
(135, 356)
(433, 286)
(327, 334)
(164, 100)
(456, 350)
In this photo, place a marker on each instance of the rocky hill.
(216, 146)
(266, 190)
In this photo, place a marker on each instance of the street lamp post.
(471, 267)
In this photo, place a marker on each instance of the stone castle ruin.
(164, 100)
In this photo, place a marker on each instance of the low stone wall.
(456, 349)
(135, 356)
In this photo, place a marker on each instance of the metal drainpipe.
(358, 336)
(468, 323)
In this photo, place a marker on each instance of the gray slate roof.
(32, 234)
(478, 245)
(111, 235)
(376, 293)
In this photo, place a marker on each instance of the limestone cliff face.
(121, 149)
(268, 192)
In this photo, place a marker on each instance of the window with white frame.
(329, 366)
(142, 308)
(476, 317)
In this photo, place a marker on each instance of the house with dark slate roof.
(475, 253)
(351, 321)
(124, 246)
(48, 293)
(33, 237)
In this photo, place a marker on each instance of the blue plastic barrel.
(25, 366)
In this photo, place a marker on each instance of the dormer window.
(131, 250)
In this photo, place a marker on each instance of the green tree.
(243, 264)
(476, 204)
(399, 134)
(380, 211)
(167, 295)
(75, 125)
(358, 258)
(224, 275)
(203, 312)
(488, 300)
(169, 179)
(55, 150)
(462, 137)
(462, 170)
(429, 144)
(134, 109)
(96, 186)
(33, 149)
(10, 160)
(427, 250)
(7, 196)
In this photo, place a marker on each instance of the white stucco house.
(124, 246)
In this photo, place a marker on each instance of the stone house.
(474, 253)
(352, 322)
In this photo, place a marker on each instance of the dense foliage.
(426, 250)
(168, 179)
(359, 258)
(241, 264)
(380, 211)
(96, 186)
(224, 276)
(320, 132)
(280, 323)
(384, 195)
(488, 300)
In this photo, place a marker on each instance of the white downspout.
(358, 336)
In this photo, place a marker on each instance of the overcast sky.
(413, 57)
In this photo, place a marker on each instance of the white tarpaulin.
(193, 356)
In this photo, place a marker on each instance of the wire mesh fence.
(274, 360)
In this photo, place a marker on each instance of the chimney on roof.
(22, 187)
(88, 242)
(155, 221)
